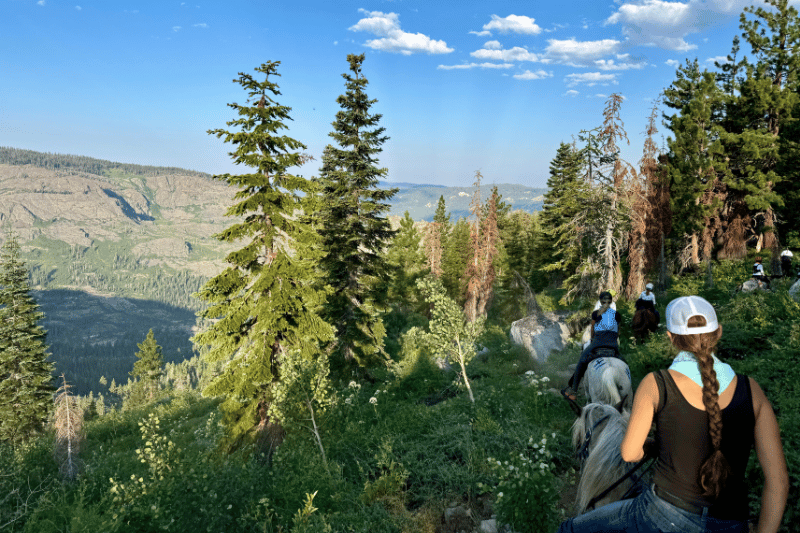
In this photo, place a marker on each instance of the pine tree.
(354, 228)
(516, 264)
(406, 256)
(26, 381)
(696, 157)
(436, 234)
(442, 217)
(264, 306)
(148, 368)
(770, 93)
(455, 257)
(562, 202)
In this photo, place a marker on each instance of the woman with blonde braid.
(707, 420)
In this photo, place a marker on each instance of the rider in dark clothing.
(647, 300)
(605, 333)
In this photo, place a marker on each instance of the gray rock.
(794, 290)
(488, 526)
(540, 334)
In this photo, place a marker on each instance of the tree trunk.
(464, 372)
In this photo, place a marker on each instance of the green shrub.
(525, 491)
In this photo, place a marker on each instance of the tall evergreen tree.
(562, 202)
(406, 256)
(696, 157)
(149, 365)
(354, 226)
(436, 235)
(771, 95)
(26, 381)
(516, 263)
(587, 234)
(442, 218)
(455, 257)
(264, 306)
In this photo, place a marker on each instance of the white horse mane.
(608, 380)
(604, 464)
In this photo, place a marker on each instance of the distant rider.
(786, 263)
(647, 300)
(604, 331)
(758, 273)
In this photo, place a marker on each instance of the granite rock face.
(540, 334)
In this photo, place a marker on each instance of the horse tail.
(609, 381)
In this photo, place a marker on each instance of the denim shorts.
(647, 513)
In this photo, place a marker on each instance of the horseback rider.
(758, 273)
(786, 263)
(647, 300)
(707, 420)
(613, 293)
(604, 331)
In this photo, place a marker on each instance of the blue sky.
(462, 85)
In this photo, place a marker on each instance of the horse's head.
(601, 428)
(593, 420)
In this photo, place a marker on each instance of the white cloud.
(492, 45)
(476, 65)
(513, 23)
(572, 52)
(590, 79)
(393, 39)
(481, 33)
(200, 25)
(672, 62)
(718, 59)
(666, 24)
(78, 8)
(677, 44)
(176, 28)
(538, 75)
(514, 54)
(652, 12)
(601, 95)
(572, 92)
(40, 2)
(625, 63)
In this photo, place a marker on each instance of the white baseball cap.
(649, 286)
(680, 310)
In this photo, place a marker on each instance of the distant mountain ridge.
(421, 200)
(118, 238)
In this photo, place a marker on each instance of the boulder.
(489, 526)
(752, 285)
(794, 290)
(540, 334)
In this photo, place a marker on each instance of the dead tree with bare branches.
(484, 240)
(68, 423)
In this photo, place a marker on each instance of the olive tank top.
(684, 444)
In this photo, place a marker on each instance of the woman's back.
(683, 442)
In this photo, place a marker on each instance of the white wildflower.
(373, 400)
